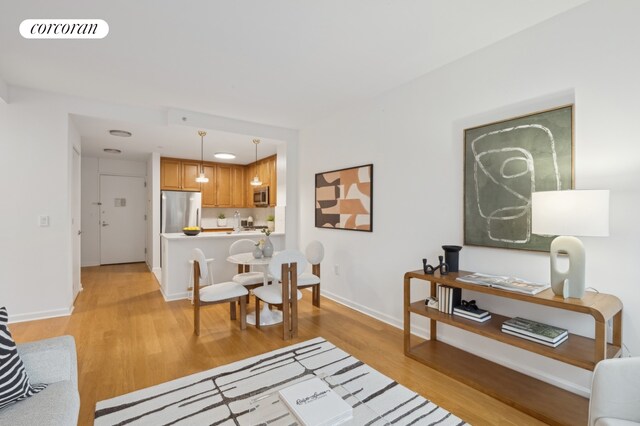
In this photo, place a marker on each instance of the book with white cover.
(314, 403)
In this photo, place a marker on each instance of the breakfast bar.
(176, 253)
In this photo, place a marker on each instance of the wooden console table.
(532, 396)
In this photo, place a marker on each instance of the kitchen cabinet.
(209, 188)
(238, 187)
(228, 184)
(178, 175)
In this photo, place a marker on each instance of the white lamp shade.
(572, 212)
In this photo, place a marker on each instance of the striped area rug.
(223, 395)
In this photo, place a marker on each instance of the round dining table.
(267, 316)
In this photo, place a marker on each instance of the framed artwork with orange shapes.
(344, 199)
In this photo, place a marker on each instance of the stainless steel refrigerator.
(179, 210)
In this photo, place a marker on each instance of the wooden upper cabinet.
(224, 183)
(209, 188)
(190, 171)
(249, 172)
(228, 184)
(239, 184)
(170, 174)
(273, 181)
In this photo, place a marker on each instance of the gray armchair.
(615, 393)
(52, 361)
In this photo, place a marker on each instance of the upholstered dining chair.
(217, 293)
(615, 393)
(249, 279)
(314, 253)
(284, 267)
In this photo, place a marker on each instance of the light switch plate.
(43, 221)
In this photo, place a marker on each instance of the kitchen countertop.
(180, 235)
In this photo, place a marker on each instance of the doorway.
(122, 219)
(76, 222)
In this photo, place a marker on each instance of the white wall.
(92, 168)
(413, 136)
(34, 261)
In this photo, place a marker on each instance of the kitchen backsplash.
(210, 216)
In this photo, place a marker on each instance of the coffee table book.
(535, 329)
(533, 339)
(477, 313)
(471, 317)
(314, 403)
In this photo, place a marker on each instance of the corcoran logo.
(64, 28)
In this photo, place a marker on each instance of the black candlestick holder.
(430, 269)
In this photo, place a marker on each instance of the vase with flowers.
(267, 248)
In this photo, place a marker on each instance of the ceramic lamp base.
(569, 283)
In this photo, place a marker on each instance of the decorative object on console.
(535, 331)
(570, 214)
(429, 269)
(504, 163)
(451, 257)
(504, 283)
(202, 178)
(469, 310)
(344, 199)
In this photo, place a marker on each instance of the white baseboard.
(90, 263)
(32, 316)
(158, 273)
(491, 356)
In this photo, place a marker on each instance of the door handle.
(79, 232)
(105, 224)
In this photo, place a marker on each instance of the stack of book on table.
(314, 403)
(535, 331)
(474, 314)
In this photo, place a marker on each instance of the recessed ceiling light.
(224, 155)
(121, 133)
(112, 151)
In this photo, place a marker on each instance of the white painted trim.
(4, 92)
(90, 263)
(158, 273)
(475, 349)
(32, 316)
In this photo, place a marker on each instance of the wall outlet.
(336, 269)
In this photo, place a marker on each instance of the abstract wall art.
(504, 163)
(344, 199)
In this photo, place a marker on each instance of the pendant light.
(256, 180)
(202, 178)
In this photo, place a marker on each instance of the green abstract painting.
(505, 162)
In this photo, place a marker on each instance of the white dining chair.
(314, 253)
(209, 262)
(249, 279)
(217, 293)
(284, 267)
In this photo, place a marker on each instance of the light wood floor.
(129, 338)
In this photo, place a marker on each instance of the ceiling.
(278, 62)
(169, 141)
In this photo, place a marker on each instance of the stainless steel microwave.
(261, 196)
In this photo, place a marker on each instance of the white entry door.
(122, 219)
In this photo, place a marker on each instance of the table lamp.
(569, 214)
